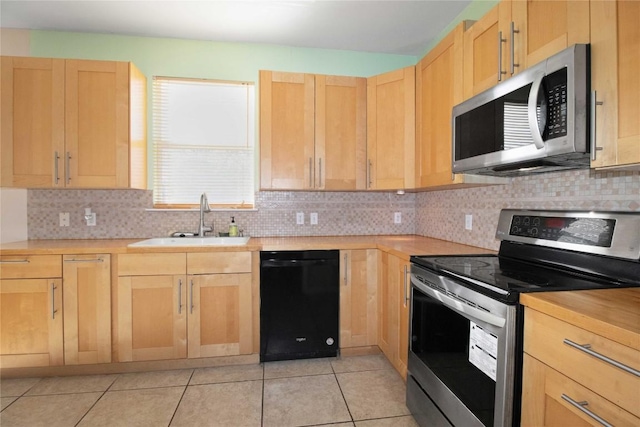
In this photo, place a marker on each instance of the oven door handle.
(460, 306)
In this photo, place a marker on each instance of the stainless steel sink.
(191, 241)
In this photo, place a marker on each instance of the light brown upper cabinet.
(543, 28)
(486, 50)
(312, 131)
(437, 90)
(72, 123)
(517, 34)
(391, 130)
(615, 78)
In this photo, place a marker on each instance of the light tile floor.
(358, 391)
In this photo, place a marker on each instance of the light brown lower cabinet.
(177, 315)
(393, 310)
(31, 323)
(358, 304)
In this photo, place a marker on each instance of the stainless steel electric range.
(465, 351)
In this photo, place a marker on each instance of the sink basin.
(192, 241)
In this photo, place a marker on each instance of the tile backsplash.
(439, 214)
(127, 214)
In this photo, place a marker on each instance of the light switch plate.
(300, 218)
(397, 218)
(313, 218)
(468, 222)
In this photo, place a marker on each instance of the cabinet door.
(220, 321)
(391, 130)
(388, 326)
(403, 317)
(32, 135)
(31, 323)
(97, 124)
(87, 309)
(615, 78)
(286, 130)
(340, 133)
(358, 304)
(487, 50)
(438, 89)
(152, 318)
(547, 27)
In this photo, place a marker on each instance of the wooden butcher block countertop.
(402, 246)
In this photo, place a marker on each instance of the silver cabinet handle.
(310, 172)
(180, 296)
(346, 258)
(369, 181)
(406, 297)
(53, 300)
(513, 65)
(320, 172)
(14, 261)
(587, 349)
(593, 115)
(581, 406)
(191, 298)
(67, 174)
(500, 41)
(84, 260)
(56, 175)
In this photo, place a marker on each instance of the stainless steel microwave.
(536, 121)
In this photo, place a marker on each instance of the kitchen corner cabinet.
(312, 131)
(31, 311)
(615, 71)
(358, 303)
(87, 308)
(177, 305)
(391, 130)
(565, 385)
(72, 123)
(437, 90)
(393, 310)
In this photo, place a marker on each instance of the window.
(204, 132)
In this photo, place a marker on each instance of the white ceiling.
(396, 26)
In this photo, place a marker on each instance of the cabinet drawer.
(152, 264)
(30, 266)
(546, 339)
(218, 262)
(550, 398)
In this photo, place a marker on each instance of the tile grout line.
(342, 394)
(175, 411)
(97, 400)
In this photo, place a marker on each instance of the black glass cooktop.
(505, 279)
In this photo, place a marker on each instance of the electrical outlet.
(91, 219)
(397, 218)
(468, 222)
(64, 219)
(313, 218)
(300, 218)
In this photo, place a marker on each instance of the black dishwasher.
(299, 304)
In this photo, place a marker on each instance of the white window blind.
(204, 135)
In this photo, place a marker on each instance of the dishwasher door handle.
(295, 262)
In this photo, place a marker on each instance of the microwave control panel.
(556, 98)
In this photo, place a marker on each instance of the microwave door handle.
(532, 109)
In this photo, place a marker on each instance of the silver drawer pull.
(587, 349)
(84, 260)
(581, 406)
(53, 300)
(14, 261)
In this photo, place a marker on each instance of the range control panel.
(584, 231)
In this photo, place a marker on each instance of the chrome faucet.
(204, 207)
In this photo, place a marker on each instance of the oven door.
(461, 353)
